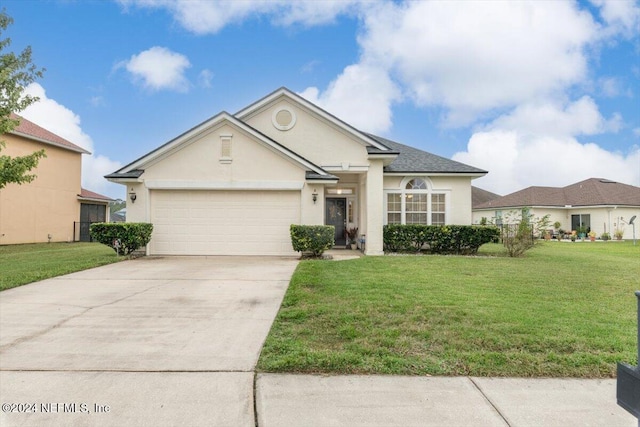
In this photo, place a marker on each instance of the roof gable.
(30, 130)
(283, 92)
(136, 168)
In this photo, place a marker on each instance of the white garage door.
(223, 222)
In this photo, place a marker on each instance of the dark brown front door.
(336, 215)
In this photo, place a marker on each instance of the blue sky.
(537, 93)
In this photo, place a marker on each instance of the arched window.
(416, 203)
(416, 184)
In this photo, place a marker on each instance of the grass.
(564, 310)
(22, 264)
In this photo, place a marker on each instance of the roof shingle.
(590, 192)
(413, 160)
(31, 130)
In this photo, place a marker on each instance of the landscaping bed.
(563, 310)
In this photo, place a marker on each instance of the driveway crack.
(66, 320)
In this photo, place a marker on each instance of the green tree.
(16, 73)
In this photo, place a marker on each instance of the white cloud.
(581, 117)
(537, 145)
(159, 68)
(517, 162)
(351, 99)
(620, 16)
(60, 120)
(209, 17)
(204, 78)
(609, 86)
(481, 55)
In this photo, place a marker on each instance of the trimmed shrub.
(438, 239)
(131, 235)
(312, 239)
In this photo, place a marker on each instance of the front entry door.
(336, 215)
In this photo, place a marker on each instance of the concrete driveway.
(157, 341)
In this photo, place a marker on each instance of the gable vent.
(225, 148)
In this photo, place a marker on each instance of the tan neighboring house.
(598, 204)
(236, 182)
(53, 206)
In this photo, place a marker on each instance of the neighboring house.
(94, 207)
(480, 196)
(596, 204)
(119, 216)
(52, 206)
(235, 183)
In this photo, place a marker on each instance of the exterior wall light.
(132, 196)
(314, 196)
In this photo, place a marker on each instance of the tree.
(16, 72)
(519, 234)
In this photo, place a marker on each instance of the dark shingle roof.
(590, 192)
(413, 160)
(136, 173)
(480, 196)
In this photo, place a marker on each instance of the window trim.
(429, 191)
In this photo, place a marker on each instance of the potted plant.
(573, 235)
(592, 236)
(618, 233)
(561, 234)
(582, 232)
(352, 235)
(605, 236)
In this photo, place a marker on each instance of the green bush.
(312, 239)
(131, 235)
(439, 239)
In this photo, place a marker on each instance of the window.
(394, 208)
(416, 184)
(437, 209)
(415, 203)
(416, 208)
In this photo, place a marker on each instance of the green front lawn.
(564, 310)
(21, 264)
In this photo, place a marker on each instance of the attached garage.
(212, 222)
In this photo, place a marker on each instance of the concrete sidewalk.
(313, 400)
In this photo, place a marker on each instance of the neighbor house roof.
(30, 130)
(480, 196)
(413, 160)
(590, 192)
(92, 196)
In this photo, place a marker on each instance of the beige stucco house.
(54, 206)
(235, 183)
(598, 204)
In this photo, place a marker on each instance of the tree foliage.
(520, 234)
(16, 72)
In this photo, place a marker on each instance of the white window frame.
(403, 198)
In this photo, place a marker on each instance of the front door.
(336, 215)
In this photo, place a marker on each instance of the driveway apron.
(154, 341)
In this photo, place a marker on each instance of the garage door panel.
(223, 222)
